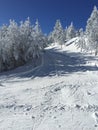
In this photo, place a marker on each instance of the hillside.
(60, 94)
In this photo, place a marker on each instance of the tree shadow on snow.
(60, 63)
(57, 63)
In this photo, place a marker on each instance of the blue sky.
(47, 11)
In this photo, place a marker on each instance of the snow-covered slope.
(71, 45)
(61, 94)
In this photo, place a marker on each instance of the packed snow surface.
(60, 94)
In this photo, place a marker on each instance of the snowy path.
(54, 62)
(61, 94)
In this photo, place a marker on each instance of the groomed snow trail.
(61, 94)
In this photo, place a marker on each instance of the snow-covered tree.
(40, 38)
(58, 33)
(19, 44)
(50, 38)
(25, 40)
(13, 37)
(65, 33)
(37, 28)
(70, 32)
(81, 43)
(92, 31)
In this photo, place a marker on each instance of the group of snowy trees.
(20, 43)
(60, 35)
(87, 40)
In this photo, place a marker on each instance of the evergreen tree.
(92, 31)
(40, 38)
(65, 33)
(70, 32)
(81, 40)
(58, 33)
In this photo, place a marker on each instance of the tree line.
(20, 43)
(87, 39)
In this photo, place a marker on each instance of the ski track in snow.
(61, 94)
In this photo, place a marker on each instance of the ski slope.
(60, 94)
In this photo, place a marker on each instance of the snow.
(61, 94)
(71, 45)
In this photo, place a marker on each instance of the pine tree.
(58, 33)
(70, 32)
(92, 31)
(40, 38)
(81, 40)
(65, 33)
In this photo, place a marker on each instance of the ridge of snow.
(71, 45)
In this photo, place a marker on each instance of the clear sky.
(47, 11)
